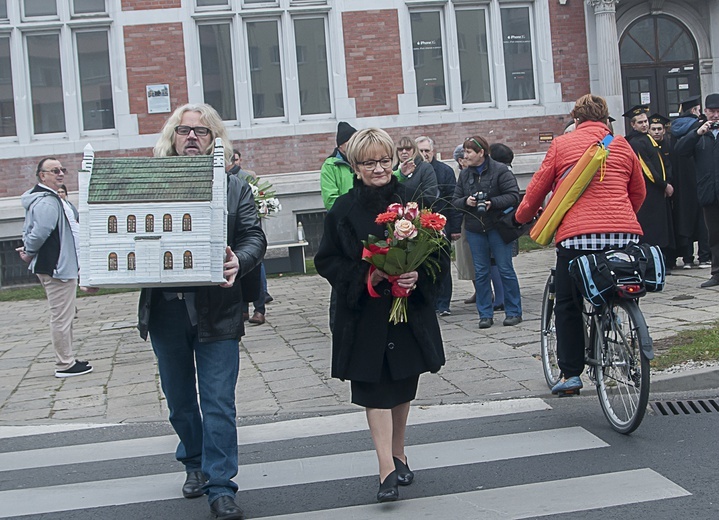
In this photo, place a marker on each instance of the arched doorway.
(660, 65)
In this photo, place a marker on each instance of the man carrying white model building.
(49, 246)
(196, 330)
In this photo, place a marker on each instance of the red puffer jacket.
(610, 202)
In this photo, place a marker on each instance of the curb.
(691, 380)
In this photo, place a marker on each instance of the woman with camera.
(485, 189)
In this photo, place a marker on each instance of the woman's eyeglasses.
(200, 131)
(56, 171)
(370, 166)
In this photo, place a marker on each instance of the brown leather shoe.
(257, 318)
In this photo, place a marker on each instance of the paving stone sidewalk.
(285, 362)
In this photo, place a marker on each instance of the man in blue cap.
(703, 144)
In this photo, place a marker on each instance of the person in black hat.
(337, 178)
(689, 226)
(336, 174)
(702, 143)
(658, 127)
(655, 215)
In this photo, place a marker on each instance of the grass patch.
(695, 345)
(527, 244)
(36, 292)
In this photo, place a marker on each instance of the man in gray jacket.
(49, 248)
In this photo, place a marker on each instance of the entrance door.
(660, 67)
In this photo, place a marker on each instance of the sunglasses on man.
(56, 171)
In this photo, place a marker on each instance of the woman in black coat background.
(383, 361)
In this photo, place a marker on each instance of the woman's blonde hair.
(406, 142)
(590, 108)
(360, 143)
(208, 116)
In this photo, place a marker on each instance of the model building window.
(186, 222)
(112, 262)
(167, 222)
(168, 260)
(187, 260)
(131, 224)
(112, 224)
(131, 261)
(149, 224)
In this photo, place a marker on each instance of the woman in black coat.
(383, 361)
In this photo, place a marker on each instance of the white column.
(607, 46)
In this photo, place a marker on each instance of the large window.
(283, 56)
(480, 34)
(64, 70)
(7, 99)
(517, 44)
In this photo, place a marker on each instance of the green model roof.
(151, 179)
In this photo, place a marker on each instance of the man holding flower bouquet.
(382, 256)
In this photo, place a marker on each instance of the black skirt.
(385, 394)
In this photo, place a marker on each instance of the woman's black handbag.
(508, 228)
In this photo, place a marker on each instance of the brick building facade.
(283, 72)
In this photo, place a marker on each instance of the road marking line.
(260, 433)
(538, 499)
(342, 466)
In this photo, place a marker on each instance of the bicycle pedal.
(569, 393)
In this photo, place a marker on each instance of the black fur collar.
(376, 200)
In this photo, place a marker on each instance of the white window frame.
(445, 67)
(284, 13)
(448, 10)
(65, 26)
(535, 50)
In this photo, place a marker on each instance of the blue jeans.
(208, 440)
(483, 246)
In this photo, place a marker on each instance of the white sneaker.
(704, 265)
(687, 266)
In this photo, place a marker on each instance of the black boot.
(388, 491)
(405, 476)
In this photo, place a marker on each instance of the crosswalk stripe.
(517, 502)
(8, 432)
(297, 471)
(260, 433)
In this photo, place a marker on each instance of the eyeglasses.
(56, 171)
(405, 148)
(370, 166)
(200, 131)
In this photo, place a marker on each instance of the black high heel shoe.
(405, 476)
(388, 491)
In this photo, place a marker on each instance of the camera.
(481, 199)
(714, 125)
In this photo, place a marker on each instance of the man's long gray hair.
(166, 144)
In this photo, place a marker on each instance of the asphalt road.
(526, 458)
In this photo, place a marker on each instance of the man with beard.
(195, 331)
(655, 214)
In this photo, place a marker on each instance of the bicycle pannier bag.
(655, 271)
(593, 277)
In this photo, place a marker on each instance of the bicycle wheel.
(623, 373)
(548, 334)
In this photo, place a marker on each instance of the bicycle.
(617, 350)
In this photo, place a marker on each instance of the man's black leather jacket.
(219, 312)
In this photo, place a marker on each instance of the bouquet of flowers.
(265, 201)
(413, 236)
